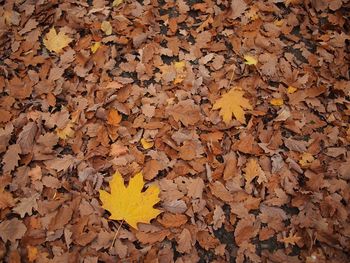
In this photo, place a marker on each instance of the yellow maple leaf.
(129, 203)
(276, 102)
(250, 60)
(232, 103)
(56, 42)
(146, 144)
(106, 27)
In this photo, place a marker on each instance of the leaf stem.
(116, 234)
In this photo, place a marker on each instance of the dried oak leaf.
(232, 103)
(292, 239)
(56, 42)
(184, 241)
(253, 170)
(26, 205)
(186, 111)
(172, 220)
(206, 240)
(6, 199)
(26, 137)
(150, 238)
(238, 7)
(129, 203)
(12, 229)
(11, 158)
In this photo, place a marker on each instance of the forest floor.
(236, 111)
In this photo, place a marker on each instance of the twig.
(116, 234)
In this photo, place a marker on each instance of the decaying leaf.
(129, 203)
(233, 103)
(56, 42)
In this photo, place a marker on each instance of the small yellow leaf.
(32, 253)
(232, 104)
(291, 90)
(66, 132)
(180, 65)
(95, 46)
(146, 144)
(117, 2)
(106, 27)
(180, 71)
(113, 118)
(129, 203)
(276, 102)
(279, 23)
(249, 60)
(306, 160)
(56, 42)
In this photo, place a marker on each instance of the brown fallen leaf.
(151, 169)
(151, 238)
(26, 205)
(6, 199)
(172, 220)
(11, 158)
(12, 229)
(219, 190)
(185, 241)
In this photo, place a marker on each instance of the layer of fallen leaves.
(238, 111)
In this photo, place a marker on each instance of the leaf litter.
(237, 111)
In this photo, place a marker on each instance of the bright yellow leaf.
(306, 160)
(117, 2)
(146, 144)
(129, 203)
(291, 90)
(232, 104)
(32, 253)
(56, 42)
(95, 47)
(250, 60)
(66, 132)
(106, 27)
(276, 102)
(113, 117)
